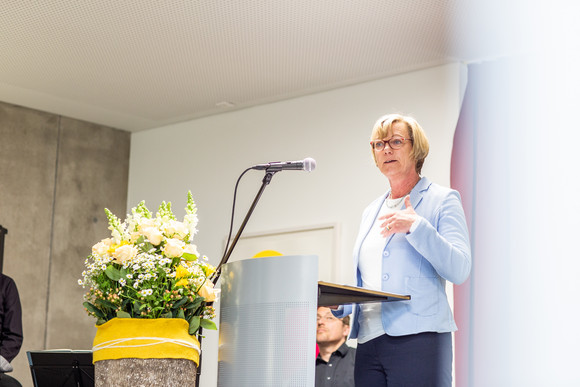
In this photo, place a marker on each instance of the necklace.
(393, 203)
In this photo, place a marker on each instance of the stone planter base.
(145, 372)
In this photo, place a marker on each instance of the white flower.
(174, 229)
(207, 291)
(102, 248)
(117, 237)
(191, 221)
(173, 248)
(145, 223)
(125, 253)
(191, 249)
(153, 235)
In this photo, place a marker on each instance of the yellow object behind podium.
(267, 253)
(162, 338)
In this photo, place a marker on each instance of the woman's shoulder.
(435, 189)
(436, 194)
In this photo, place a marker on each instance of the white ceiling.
(140, 64)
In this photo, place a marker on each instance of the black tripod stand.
(3, 232)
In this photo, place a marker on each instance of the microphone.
(308, 164)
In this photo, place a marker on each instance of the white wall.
(207, 155)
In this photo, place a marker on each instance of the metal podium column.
(268, 322)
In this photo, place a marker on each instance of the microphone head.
(309, 164)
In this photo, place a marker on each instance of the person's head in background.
(331, 332)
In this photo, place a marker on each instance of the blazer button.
(385, 277)
(386, 253)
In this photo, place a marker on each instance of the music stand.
(62, 368)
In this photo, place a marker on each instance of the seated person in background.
(10, 329)
(335, 361)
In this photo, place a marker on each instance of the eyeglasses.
(394, 143)
(326, 318)
(329, 320)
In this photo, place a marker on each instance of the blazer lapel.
(418, 191)
(416, 197)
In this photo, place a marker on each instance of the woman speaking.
(412, 239)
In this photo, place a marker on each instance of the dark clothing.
(10, 319)
(8, 381)
(419, 360)
(339, 371)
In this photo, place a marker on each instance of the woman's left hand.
(399, 221)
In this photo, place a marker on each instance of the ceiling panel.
(140, 64)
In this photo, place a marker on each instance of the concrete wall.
(56, 177)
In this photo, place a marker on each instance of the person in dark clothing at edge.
(10, 329)
(335, 361)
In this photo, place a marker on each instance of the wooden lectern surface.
(333, 294)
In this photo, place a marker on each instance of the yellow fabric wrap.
(162, 338)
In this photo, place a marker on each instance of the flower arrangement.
(149, 269)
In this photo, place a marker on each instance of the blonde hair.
(416, 134)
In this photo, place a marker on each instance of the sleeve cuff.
(5, 366)
(415, 225)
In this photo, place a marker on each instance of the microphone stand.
(265, 181)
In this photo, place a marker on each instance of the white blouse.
(370, 267)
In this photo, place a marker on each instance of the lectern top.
(334, 294)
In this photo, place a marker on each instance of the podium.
(268, 319)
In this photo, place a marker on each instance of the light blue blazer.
(419, 263)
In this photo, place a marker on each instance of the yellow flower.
(182, 282)
(115, 246)
(208, 269)
(181, 272)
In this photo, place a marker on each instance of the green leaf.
(113, 273)
(148, 246)
(208, 324)
(189, 256)
(123, 314)
(91, 308)
(195, 304)
(144, 245)
(180, 314)
(180, 302)
(168, 315)
(106, 304)
(194, 324)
